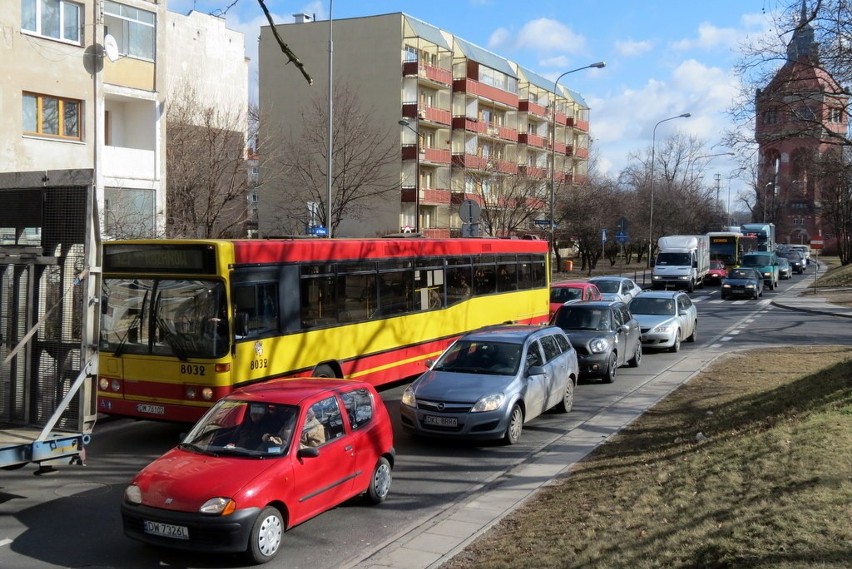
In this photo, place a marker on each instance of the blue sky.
(664, 57)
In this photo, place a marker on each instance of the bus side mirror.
(241, 326)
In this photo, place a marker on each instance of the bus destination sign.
(194, 259)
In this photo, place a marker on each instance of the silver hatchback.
(490, 382)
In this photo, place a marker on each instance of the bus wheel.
(324, 371)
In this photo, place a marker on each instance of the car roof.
(511, 333)
(659, 294)
(293, 390)
(594, 304)
(607, 278)
(571, 284)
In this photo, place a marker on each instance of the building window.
(132, 28)
(835, 115)
(798, 220)
(52, 18)
(129, 213)
(770, 116)
(52, 116)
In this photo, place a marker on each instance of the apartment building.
(468, 124)
(84, 94)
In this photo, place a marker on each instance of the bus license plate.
(151, 409)
(166, 530)
(441, 421)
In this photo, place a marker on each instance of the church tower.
(797, 114)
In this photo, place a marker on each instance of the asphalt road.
(70, 518)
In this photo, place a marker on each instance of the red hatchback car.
(241, 477)
(717, 272)
(562, 292)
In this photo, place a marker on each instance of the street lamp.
(651, 215)
(597, 65)
(330, 162)
(416, 131)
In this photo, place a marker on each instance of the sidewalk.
(797, 298)
(429, 544)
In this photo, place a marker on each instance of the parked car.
(716, 272)
(605, 335)
(566, 291)
(797, 261)
(616, 288)
(240, 478)
(785, 271)
(492, 381)
(743, 281)
(666, 318)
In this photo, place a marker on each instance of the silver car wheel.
(265, 540)
(516, 425)
(380, 482)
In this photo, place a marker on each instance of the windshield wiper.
(195, 448)
(171, 340)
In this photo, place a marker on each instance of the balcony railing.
(533, 109)
(470, 161)
(469, 124)
(478, 89)
(581, 125)
(533, 171)
(123, 162)
(427, 71)
(532, 140)
(580, 152)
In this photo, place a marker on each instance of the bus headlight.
(116, 385)
(190, 392)
(103, 383)
(207, 393)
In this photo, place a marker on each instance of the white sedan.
(616, 288)
(666, 318)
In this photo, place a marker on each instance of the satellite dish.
(110, 47)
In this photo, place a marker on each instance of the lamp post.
(597, 65)
(330, 162)
(416, 131)
(651, 215)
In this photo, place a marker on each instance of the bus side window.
(256, 309)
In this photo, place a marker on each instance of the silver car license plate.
(440, 421)
(166, 530)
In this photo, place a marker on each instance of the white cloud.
(542, 36)
(709, 37)
(630, 48)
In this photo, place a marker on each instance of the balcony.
(535, 109)
(427, 155)
(581, 153)
(478, 89)
(129, 163)
(426, 71)
(470, 161)
(505, 166)
(581, 125)
(532, 140)
(469, 124)
(561, 148)
(533, 171)
(429, 114)
(428, 196)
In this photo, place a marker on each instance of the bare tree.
(365, 173)
(206, 168)
(509, 201)
(837, 200)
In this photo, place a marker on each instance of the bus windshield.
(185, 318)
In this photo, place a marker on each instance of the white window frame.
(113, 12)
(63, 5)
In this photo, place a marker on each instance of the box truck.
(682, 262)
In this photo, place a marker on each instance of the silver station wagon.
(490, 382)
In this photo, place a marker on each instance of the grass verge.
(747, 465)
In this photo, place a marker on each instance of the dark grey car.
(605, 335)
(490, 382)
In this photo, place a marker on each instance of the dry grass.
(769, 486)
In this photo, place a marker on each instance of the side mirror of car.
(308, 452)
(535, 370)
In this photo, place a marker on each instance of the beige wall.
(48, 67)
(367, 56)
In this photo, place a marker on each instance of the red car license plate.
(166, 530)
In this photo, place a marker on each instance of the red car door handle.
(347, 448)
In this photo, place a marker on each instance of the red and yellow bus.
(184, 322)
(730, 246)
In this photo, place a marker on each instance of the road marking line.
(725, 339)
(734, 332)
(5, 542)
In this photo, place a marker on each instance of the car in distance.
(566, 291)
(797, 261)
(716, 272)
(666, 318)
(490, 382)
(605, 335)
(616, 288)
(785, 271)
(743, 281)
(241, 477)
